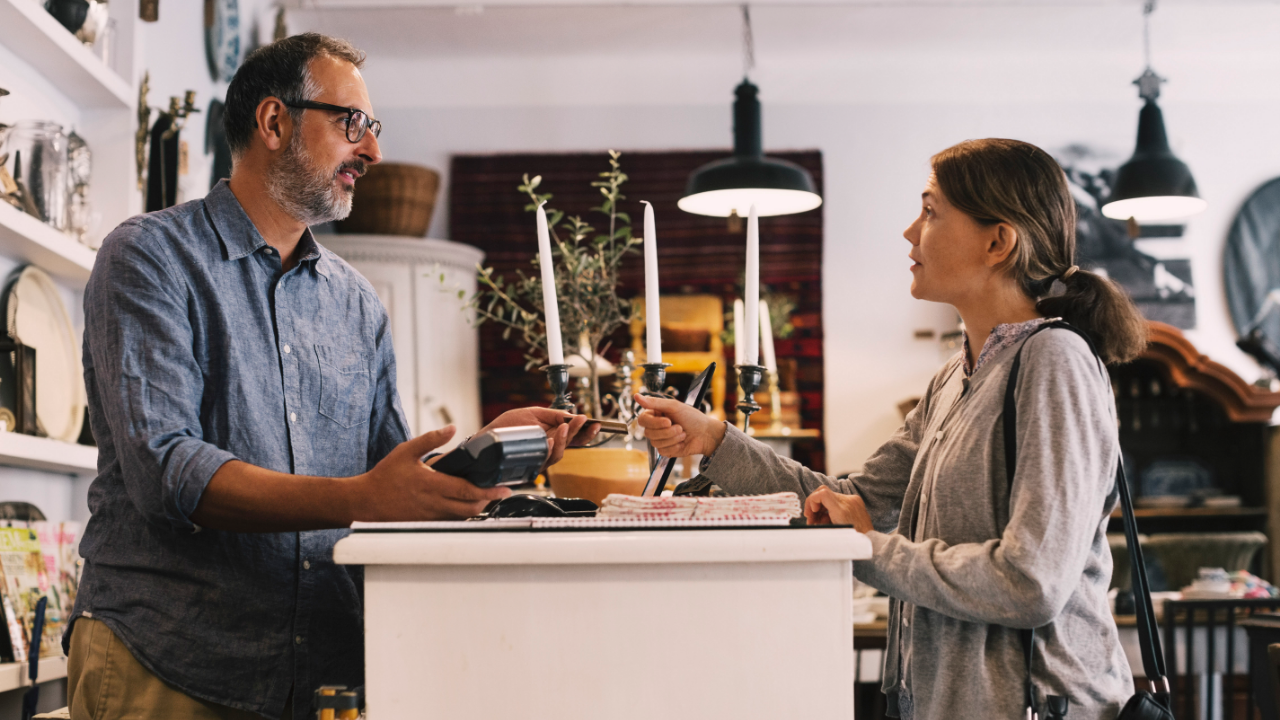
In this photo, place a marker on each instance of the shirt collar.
(240, 237)
(1001, 337)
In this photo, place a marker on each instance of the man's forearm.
(245, 498)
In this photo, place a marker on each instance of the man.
(242, 389)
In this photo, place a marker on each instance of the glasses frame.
(374, 125)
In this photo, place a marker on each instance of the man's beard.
(308, 192)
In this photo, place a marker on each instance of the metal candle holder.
(655, 378)
(558, 379)
(749, 377)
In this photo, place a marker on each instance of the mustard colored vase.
(593, 473)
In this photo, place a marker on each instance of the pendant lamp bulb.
(748, 43)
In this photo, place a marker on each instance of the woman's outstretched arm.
(744, 466)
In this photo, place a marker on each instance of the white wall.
(877, 90)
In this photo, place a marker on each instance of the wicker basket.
(393, 199)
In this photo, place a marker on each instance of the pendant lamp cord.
(748, 43)
(1148, 7)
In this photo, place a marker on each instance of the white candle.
(751, 319)
(555, 346)
(652, 319)
(739, 337)
(766, 338)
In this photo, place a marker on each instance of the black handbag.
(1153, 705)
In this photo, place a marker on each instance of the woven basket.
(393, 199)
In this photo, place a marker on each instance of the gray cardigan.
(965, 560)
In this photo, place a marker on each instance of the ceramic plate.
(37, 317)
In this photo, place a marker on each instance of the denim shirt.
(199, 349)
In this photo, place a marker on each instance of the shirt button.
(306, 564)
(297, 640)
(293, 417)
(287, 350)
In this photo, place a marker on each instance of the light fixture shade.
(725, 187)
(1154, 185)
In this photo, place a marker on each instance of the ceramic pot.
(70, 14)
(593, 473)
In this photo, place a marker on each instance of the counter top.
(603, 548)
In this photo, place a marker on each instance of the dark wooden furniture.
(1178, 408)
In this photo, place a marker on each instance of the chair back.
(1187, 624)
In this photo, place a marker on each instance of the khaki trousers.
(105, 682)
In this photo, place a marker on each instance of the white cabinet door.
(448, 350)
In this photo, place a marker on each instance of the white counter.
(624, 624)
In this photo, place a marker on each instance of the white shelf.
(14, 675)
(33, 35)
(36, 453)
(23, 237)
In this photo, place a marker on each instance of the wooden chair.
(690, 316)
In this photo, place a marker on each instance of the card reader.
(501, 456)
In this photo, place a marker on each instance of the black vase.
(69, 13)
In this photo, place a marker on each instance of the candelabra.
(558, 379)
(749, 377)
(624, 404)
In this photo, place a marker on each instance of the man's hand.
(826, 507)
(675, 429)
(401, 487)
(562, 428)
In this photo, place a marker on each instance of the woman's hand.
(675, 429)
(827, 507)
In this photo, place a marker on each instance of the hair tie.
(1069, 272)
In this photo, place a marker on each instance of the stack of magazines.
(777, 505)
(37, 559)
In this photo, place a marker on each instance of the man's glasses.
(358, 122)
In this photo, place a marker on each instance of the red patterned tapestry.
(697, 255)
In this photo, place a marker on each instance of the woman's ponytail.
(997, 180)
(1103, 311)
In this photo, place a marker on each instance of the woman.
(967, 560)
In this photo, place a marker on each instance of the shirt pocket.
(345, 382)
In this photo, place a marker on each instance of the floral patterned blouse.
(1002, 336)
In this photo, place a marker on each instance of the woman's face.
(950, 250)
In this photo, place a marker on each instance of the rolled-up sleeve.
(138, 349)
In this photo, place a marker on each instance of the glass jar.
(38, 164)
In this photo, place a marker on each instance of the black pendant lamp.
(1154, 185)
(731, 186)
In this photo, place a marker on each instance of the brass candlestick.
(749, 377)
(775, 402)
(558, 379)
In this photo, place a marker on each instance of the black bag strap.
(1148, 636)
